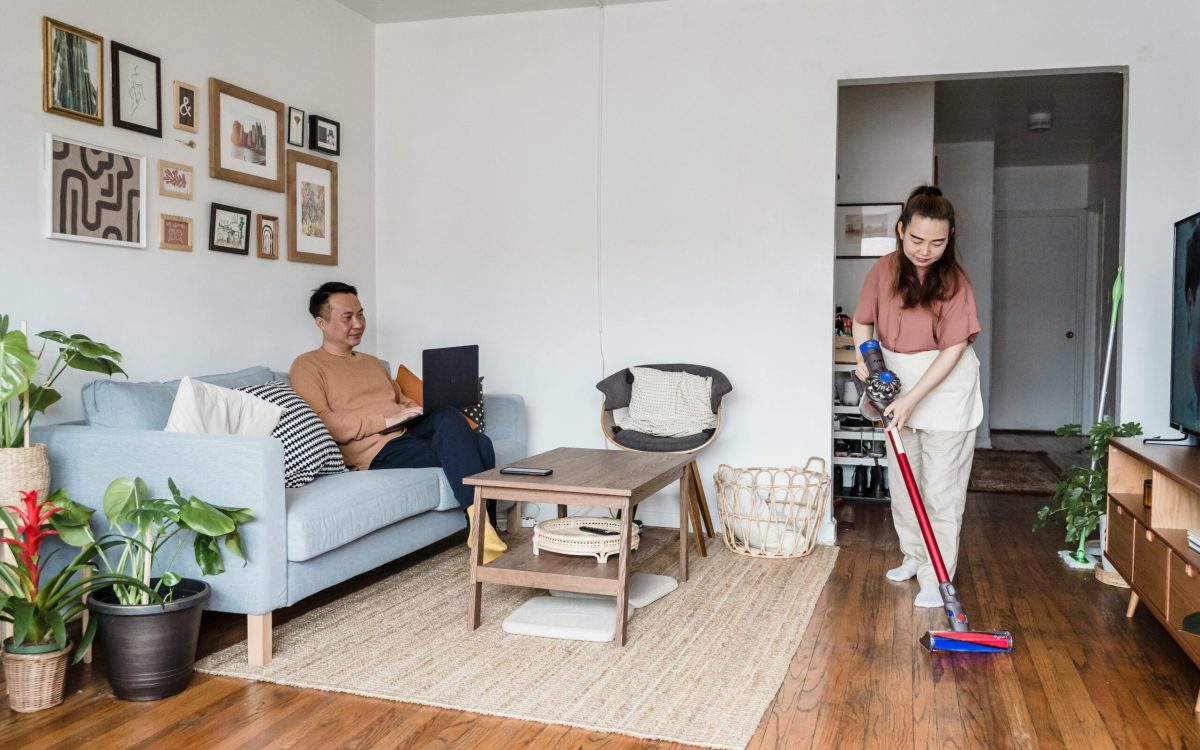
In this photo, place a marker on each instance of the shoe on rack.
(901, 572)
(860, 482)
(929, 599)
(855, 423)
(841, 448)
(856, 450)
(878, 450)
(875, 482)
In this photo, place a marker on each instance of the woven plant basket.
(35, 681)
(772, 513)
(21, 470)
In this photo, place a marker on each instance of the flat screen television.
(1185, 328)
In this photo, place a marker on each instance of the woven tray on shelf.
(562, 535)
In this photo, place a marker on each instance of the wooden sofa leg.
(258, 639)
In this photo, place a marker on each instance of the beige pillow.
(201, 407)
(669, 404)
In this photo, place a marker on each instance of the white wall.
(173, 313)
(965, 174)
(718, 129)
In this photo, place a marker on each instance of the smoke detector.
(1040, 120)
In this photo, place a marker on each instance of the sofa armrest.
(229, 470)
(506, 425)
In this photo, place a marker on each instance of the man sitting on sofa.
(373, 422)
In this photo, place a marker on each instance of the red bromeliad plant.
(40, 606)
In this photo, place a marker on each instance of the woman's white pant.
(941, 464)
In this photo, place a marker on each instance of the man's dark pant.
(441, 439)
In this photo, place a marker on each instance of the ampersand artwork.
(185, 106)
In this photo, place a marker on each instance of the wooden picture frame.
(295, 127)
(866, 230)
(175, 232)
(76, 93)
(312, 209)
(245, 136)
(229, 229)
(324, 135)
(187, 106)
(94, 194)
(175, 180)
(268, 237)
(136, 104)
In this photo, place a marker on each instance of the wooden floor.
(1081, 675)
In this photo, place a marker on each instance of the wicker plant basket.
(772, 513)
(35, 681)
(21, 470)
(562, 535)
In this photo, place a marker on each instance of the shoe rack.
(869, 439)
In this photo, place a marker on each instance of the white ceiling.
(397, 11)
(1088, 110)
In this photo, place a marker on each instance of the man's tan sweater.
(352, 395)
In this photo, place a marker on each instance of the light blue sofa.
(301, 541)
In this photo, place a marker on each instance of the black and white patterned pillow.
(308, 449)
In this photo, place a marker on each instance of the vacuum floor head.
(970, 641)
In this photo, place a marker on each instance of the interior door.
(1038, 282)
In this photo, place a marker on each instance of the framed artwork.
(72, 72)
(229, 229)
(174, 232)
(245, 133)
(174, 180)
(268, 237)
(867, 230)
(136, 90)
(94, 194)
(324, 135)
(312, 206)
(296, 127)
(187, 109)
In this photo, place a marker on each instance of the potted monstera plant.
(24, 466)
(151, 647)
(39, 604)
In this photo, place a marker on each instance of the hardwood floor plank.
(1080, 675)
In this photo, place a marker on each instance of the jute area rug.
(700, 666)
(1013, 472)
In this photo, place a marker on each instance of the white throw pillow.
(201, 407)
(669, 404)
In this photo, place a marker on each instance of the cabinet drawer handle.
(1149, 536)
(1189, 571)
(1120, 511)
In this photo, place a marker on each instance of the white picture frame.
(73, 194)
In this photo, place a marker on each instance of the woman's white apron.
(955, 404)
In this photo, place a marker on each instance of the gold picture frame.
(187, 106)
(79, 92)
(245, 136)
(268, 237)
(175, 232)
(312, 209)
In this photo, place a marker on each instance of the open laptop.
(450, 377)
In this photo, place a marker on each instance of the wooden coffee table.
(594, 479)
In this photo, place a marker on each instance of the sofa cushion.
(309, 451)
(146, 406)
(336, 510)
(207, 408)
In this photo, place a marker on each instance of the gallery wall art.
(72, 72)
(136, 90)
(94, 194)
(174, 232)
(229, 229)
(187, 108)
(245, 136)
(312, 206)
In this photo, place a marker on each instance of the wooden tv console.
(1148, 546)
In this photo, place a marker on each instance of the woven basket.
(562, 535)
(772, 513)
(21, 470)
(35, 681)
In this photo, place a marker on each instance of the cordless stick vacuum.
(882, 387)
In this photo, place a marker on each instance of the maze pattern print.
(97, 194)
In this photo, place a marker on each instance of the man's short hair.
(320, 296)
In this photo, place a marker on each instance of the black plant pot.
(150, 649)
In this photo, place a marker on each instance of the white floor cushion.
(569, 618)
(644, 589)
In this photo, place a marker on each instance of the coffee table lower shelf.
(551, 570)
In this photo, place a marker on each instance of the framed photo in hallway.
(312, 209)
(866, 230)
(72, 72)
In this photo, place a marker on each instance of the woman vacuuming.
(919, 304)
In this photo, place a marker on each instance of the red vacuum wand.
(881, 388)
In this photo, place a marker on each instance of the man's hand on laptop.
(405, 415)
